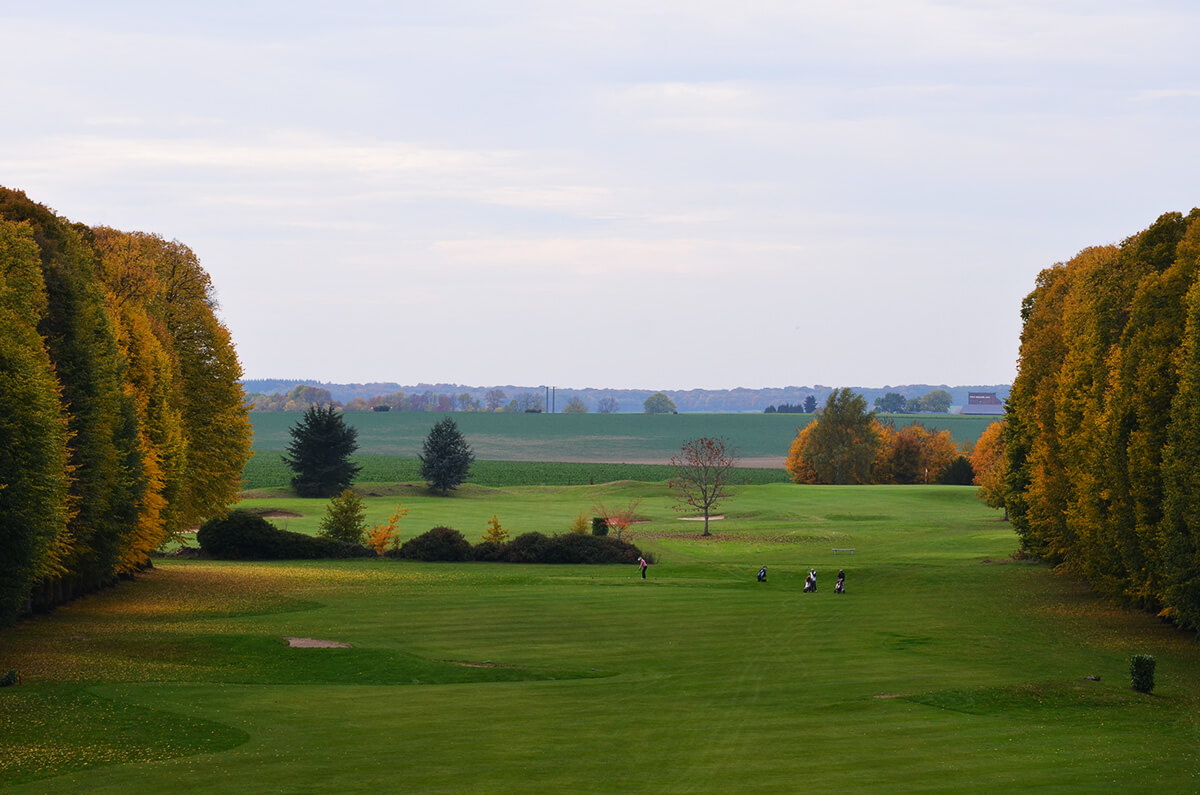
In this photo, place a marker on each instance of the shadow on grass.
(48, 730)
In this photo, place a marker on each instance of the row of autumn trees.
(1103, 430)
(847, 443)
(121, 416)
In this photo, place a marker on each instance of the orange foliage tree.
(380, 535)
(989, 464)
(619, 517)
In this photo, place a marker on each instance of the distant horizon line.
(314, 381)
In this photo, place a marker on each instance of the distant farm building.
(983, 403)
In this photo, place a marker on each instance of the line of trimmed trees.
(1103, 431)
(121, 416)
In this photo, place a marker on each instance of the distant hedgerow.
(438, 544)
(243, 535)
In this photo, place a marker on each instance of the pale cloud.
(378, 167)
(1168, 93)
(608, 257)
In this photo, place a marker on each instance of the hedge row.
(243, 535)
(447, 544)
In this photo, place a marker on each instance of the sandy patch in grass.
(313, 643)
(712, 518)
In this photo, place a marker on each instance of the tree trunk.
(706, 523)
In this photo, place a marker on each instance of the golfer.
(643, 565)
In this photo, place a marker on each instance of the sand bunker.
(313, 643)
(712, 518)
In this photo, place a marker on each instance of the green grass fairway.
(946, 666)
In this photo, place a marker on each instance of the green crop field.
(947, 665)
(762, 440)
(267, 470)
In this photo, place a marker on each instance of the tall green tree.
(576, 406)
(1033, 478)
(1181, 471)
(659, 403)
(33, 430)
(215, 419)
(445, 457)
(844, 442)
(1100, 434)
(107, 477)
(345, 518)
(891, 403)
(319, 453)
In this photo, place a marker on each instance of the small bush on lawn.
(440, 543)
(1141, 672)
(526, 548)
(487, 551)
(345, 518)
(247, 536)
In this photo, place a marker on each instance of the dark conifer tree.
(445, 457)
(319, 454)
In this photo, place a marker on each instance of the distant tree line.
(121, 415)
(936, 401)
(273, 394)
(1102, 438)
(807, 407)
(304, 397)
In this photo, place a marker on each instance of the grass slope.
(946, 665)
(267, 469)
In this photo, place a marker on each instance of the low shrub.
(446, 544)
(526, 548)
(440, 543)
(958, 473)
(487, 551)
(599, 526)
(1141, 672)
(11, 678)
(242, 535)
(568, 548)
(572, 548)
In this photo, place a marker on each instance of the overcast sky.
(624, 194)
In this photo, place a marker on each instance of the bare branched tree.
(704, 471)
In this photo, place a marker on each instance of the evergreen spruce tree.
(319, 454)
(445, 457)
